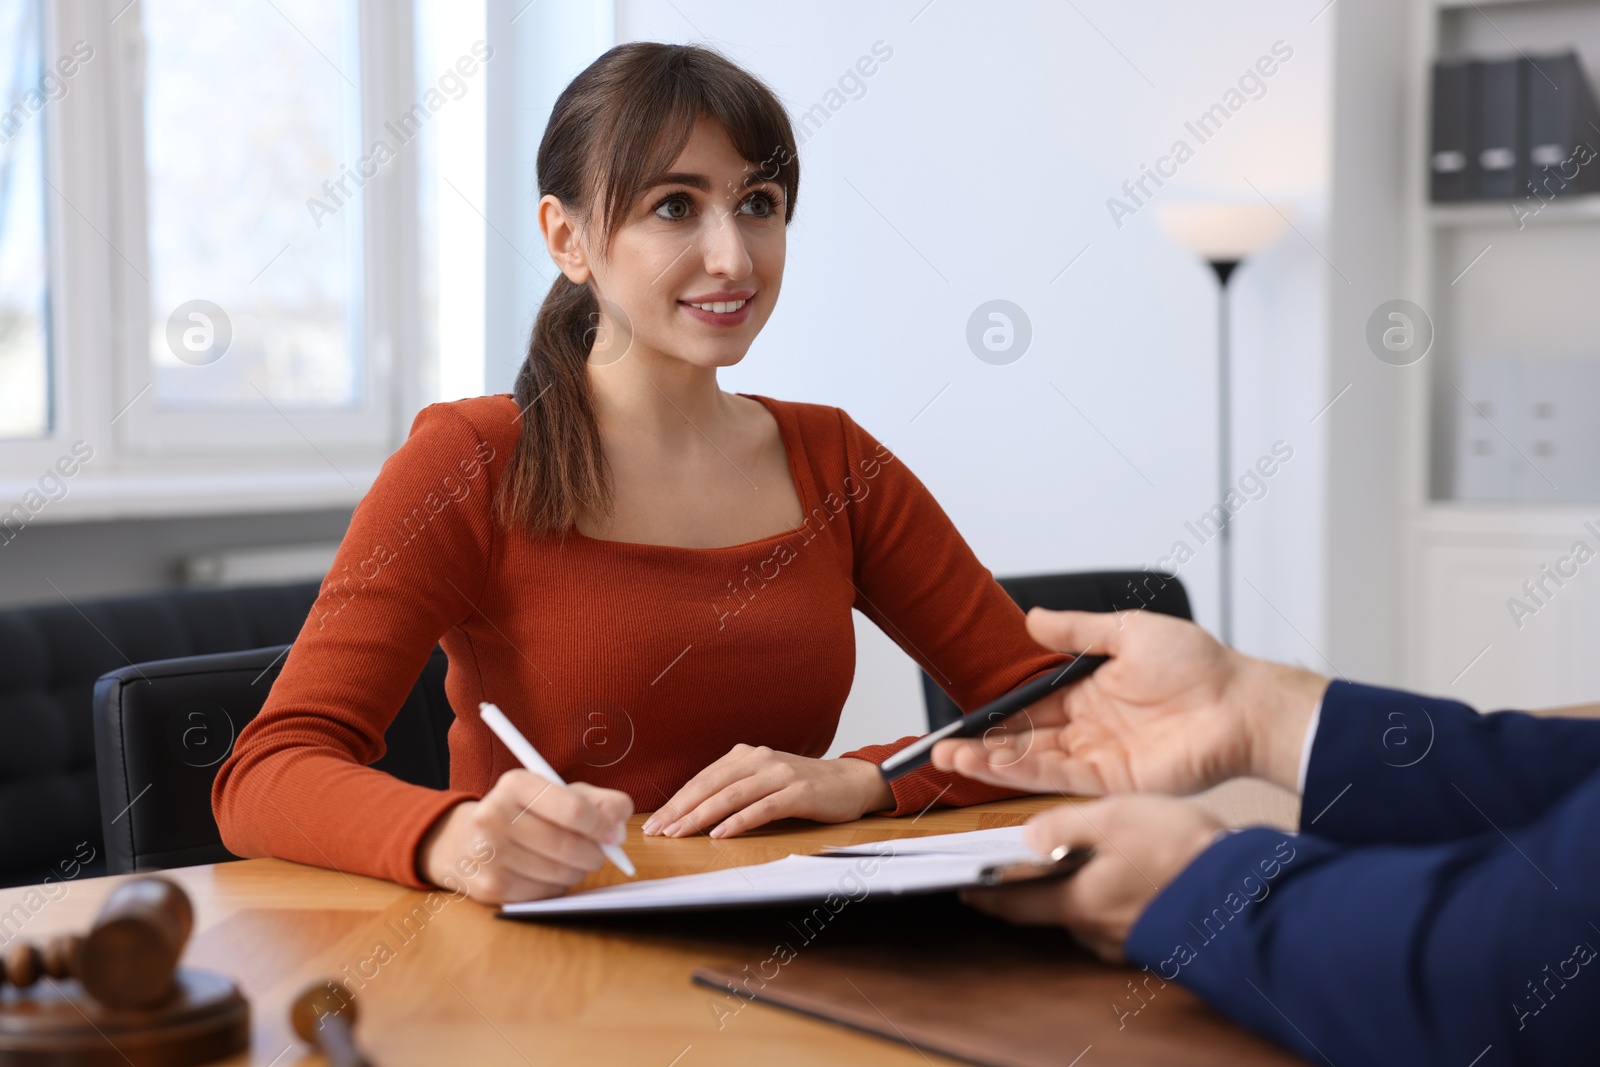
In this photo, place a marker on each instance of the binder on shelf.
(1513, 128)
(1560, 434)
(1563, 128)
(1499, 141)
(1526, 431)
(1488, 405)
(1452, 132)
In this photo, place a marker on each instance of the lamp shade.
(1221, 231)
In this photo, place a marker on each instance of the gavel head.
(130, 957)
(315, 1001)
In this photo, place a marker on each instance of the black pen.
(978, 722)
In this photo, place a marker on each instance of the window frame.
(153, 462)
(21, 454)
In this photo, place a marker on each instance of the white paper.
(1004, 842)
(903, 865)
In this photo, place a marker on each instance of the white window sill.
(86, 498)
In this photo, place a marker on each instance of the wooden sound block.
(57, 1024)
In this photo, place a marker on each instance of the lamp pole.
(1224, 269)
(1223, 234)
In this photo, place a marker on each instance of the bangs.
(666, 99)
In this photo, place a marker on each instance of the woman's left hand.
(753, 785)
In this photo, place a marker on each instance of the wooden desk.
(463, 987)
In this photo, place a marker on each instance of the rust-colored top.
(629, 666)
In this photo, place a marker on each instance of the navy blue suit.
(1440, 905)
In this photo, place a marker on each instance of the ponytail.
(558, 470)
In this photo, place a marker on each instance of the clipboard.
(907, 867)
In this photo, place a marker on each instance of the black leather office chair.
(50, 656)
(162, 729)
(1080, 591)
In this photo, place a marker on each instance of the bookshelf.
(1497, 216)
(1493, 286)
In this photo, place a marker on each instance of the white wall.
(976, 165)
(539, 47)
(991, 142)
(1364, 493)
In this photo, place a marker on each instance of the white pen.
(529, 757)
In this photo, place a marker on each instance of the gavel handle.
(339, 1044)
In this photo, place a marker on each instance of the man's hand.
(751, 786)
(1174, 711)
(1141, 844)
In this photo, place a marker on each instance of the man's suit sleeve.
(1392, 767)
(1480, 950)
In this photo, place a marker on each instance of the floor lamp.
(1224, 235)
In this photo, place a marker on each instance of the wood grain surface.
(442, 981)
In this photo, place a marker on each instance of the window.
(259, 323)
(253, 187)
(24, 292)
(241, 242)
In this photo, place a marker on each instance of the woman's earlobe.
(574, 260)
(569, 256)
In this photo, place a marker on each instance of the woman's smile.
(720, 308)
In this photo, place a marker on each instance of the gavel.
(325, 1020)
(128, 962)
(129, 957)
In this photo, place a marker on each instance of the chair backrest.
(1076, 591)
(50, 657)
(162, 729)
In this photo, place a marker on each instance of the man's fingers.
(1047, 712)
(1095, 632)
(970, 760)
(1072, 825)
(1024, 905)
(1050, 903)
(1040, 769)
(980, 752)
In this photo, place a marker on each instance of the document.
(896, 867)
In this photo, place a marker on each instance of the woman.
(651, 577)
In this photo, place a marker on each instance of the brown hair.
(619, 125)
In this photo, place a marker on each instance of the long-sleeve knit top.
(629, 666)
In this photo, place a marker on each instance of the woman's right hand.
(527, 838)
(1173, 711)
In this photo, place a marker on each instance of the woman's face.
(708, 233)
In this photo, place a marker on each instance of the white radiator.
(258, 566)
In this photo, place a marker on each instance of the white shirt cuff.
(1305, 748)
